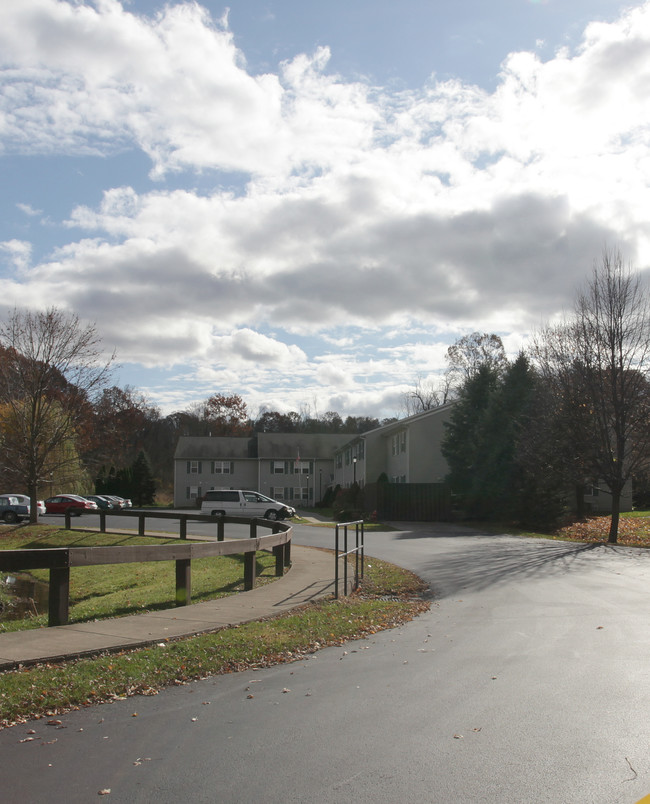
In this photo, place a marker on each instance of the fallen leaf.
(105, 792)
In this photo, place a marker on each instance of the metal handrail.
(358, 551)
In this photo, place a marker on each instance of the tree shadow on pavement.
(486, 564)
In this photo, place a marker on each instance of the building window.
(339, 460)
(194, 467)
(402, 441)
(302, 467)
(361, 448)
(301, 493)
(222, 467)
(277, 492)
(393, 445)
(277, 467)
(192, 492)
(347, 457)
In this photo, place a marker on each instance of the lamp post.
(354, 470)
(320, 485)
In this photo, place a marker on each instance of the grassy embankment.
(389, 597)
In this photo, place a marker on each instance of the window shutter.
(188, 471)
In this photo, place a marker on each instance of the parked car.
(23, 499)
(12, 510)
(236, 502)
(102, 502)
(72, 502)
(120, 502)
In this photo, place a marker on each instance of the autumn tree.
(226, 415)
(117, 427)
(51, 366)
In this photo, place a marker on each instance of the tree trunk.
(580, 500)
(616, 513)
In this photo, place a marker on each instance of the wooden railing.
(59, 560)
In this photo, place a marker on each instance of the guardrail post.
(221, 530)
(253, 529)
(183, 581)
(102, 521)
(249, 570)
(183, 527)
(287, 554)
(140, 524)
(278, 552)
(59, 595)
(67, 517)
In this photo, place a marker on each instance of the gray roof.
(194, 448)
(307, 445)
(267, 445)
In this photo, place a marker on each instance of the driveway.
(527, 681)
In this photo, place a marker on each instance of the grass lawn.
(115, 590)
(389, 597)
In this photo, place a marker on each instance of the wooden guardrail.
(143, 514)
(59, 560)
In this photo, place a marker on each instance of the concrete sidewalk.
(310, 577)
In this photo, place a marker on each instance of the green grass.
(46, 690)
(116, 590)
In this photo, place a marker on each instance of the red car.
(62, 502)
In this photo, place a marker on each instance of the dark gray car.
(12, 510)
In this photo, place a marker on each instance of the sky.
(307, 203)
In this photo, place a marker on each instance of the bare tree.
(425, 395)
(602, 358)
(51, 365)
(469, 353)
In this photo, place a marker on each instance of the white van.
(235, 502)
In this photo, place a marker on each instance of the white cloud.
(17, 253)
(365, 211)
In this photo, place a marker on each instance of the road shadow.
(498, 560)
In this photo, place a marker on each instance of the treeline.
(527, 438)
(60, 430)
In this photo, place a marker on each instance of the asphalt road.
(528, 681)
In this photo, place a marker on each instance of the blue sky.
(307, 203)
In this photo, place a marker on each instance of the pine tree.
(463, 441)
(143, 486)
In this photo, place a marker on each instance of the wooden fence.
(410, 502)
(59, 560)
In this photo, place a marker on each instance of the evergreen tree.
(463, 441)
(143, 487)
(495, 481)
